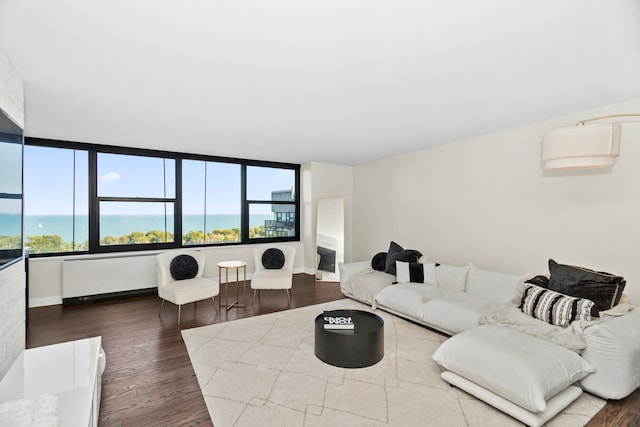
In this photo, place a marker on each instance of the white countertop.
(68, 370)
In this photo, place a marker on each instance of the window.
(211, 202)
(90, 198)
(56, 200)
(136, 199)
(10, 191)
(135, 223)
(271, 201)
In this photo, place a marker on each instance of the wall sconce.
(583, 146)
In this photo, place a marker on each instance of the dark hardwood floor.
(149, 380)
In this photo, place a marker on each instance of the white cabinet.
(72, 371)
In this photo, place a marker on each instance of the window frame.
(94, 199)
(10, 255)
(196, 157)
(248, 202)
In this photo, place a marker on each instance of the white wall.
(318, 180)
(13, 277)
(12, 307)
(484, 200)
(46, 274)
(324, 181)
(11, 91)
(487, 200)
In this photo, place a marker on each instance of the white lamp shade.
(581, 147)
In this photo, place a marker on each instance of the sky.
(10, 167)
(48, 183)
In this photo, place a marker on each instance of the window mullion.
(94, 203)
(177, 206)
(136, 199)
(244, 208)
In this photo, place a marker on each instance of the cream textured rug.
(262, 371)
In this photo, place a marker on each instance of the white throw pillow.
(498, 287)
(407, 272)
(430, 273)
(522, 368)
(451, 278)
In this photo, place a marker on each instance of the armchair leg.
(214, 303)
(255, 291)
(161, 307)
(288, 296)
(179, 312)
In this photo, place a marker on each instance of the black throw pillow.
(542, 281)
(604, 289)
(409, 255)
(183, 267)
(390, 262)
(398, 253)
(378, 261)
(273, 259)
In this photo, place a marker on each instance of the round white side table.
(230, 265)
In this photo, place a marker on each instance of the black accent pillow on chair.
(273, 259)
(183, 267)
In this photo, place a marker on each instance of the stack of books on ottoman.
(338, 319)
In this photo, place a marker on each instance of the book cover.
(338, 319)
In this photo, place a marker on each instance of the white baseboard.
(42, 302)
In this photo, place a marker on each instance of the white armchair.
(274, 269)
(180, 279)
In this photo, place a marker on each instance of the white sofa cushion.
(521, 368)
(350, 269)
(456, 312)
(365, 286)
(451, 277)
(498, 287)
(407, 298)
(614, 347)
(554, 405)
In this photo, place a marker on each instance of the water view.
(58, 233)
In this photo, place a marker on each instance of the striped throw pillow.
(553, 307)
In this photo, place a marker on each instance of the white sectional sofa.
(494, 341)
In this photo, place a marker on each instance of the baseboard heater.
(98, 279)
(109, 296)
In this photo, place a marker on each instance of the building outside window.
(271, 198)
(283, 224)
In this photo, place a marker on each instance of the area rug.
(262, 371)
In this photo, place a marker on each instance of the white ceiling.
(339, 81)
